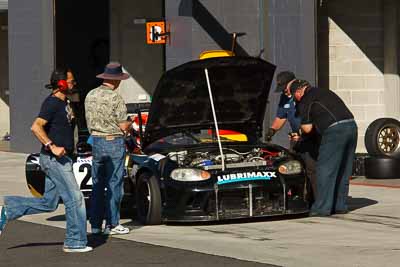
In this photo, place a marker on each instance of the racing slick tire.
(148, 200)
(382, 168)
(382, 138)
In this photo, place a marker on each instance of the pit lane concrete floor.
(368, 236)
(4, 145)
(35, 245)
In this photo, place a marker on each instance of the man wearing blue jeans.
(53, 128)
(106, 116)
(323, 110)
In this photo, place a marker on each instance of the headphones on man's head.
(58, 80)
(62, 85)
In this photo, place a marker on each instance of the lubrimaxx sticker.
(244, 176)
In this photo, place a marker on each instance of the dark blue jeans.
(60, 182)
(334, 167)
(107, 175)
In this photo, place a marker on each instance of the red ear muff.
(62, 85)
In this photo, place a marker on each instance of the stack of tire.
(382, 141)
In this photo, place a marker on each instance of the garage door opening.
(82, 44)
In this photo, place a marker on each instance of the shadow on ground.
(356, 203)
(244, 220)
(27, 245)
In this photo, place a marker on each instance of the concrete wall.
(128, 45)
(31, 60)
(290, 42)
(4, 4)
(199, 25)
(281, 31)
(4, 88)
(353, 65)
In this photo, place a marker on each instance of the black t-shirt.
(322, 107)
(59, 122)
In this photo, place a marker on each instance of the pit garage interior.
(347, 46)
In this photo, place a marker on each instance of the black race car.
(200, 156)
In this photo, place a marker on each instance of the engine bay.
(213, 159)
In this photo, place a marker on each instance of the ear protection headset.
(62, 85)
(58, 80)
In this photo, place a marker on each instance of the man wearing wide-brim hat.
(106, 117)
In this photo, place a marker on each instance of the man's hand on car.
(269, 134)
(294, 136)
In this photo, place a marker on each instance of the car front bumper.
(212, 202)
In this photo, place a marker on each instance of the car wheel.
(148, 200)
(35, 177)
(382, 138)
(382, 168)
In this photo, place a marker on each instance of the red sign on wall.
(155, 32)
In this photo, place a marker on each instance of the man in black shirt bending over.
(323, 110)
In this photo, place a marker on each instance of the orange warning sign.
(155, 32)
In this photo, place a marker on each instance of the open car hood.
(240, 88)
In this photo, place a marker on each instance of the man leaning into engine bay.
(305, 144)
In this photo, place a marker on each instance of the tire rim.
(388, 139)
(144, 198)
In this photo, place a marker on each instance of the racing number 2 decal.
(87, 177)
(83, 175)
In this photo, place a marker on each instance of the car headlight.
(290, 167)
(189, 175)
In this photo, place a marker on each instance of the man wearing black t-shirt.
(53, 128)
(324, 111)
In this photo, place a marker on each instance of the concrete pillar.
(31, 60)
(4, 91)
(391, 72)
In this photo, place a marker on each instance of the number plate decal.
(83, 173)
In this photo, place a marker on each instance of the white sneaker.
(117, 230)
(77, 250)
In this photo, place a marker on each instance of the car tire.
(382, 168)
(148, 200)
(35, 177)
(382, 138)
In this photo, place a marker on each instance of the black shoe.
(316, 214)
(341, 211)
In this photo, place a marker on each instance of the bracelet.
(48, 144)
